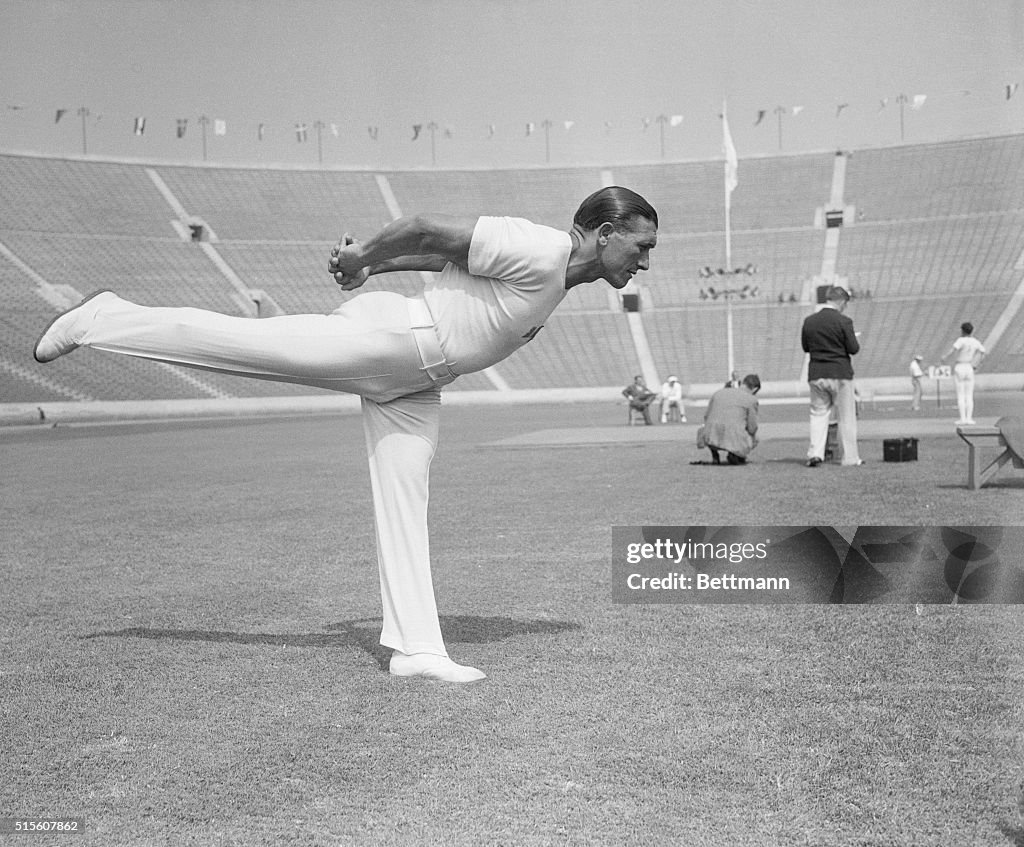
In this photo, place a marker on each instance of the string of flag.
(301, 130)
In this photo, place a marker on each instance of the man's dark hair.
(966, 327)
(753, 382)
(614, 204)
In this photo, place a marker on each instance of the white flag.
(918, 101)
(220, 127)
(140, 126)
(675, 120)
(568, 124)
(731, 162)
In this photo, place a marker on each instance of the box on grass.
(899, 449)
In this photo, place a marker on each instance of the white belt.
(425, 335)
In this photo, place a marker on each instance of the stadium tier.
(926, 236)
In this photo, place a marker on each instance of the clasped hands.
(346, 264)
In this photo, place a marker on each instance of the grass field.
(190, 616)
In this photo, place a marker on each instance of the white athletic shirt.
(967, 347)
(516, 279)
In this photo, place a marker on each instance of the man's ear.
(604, 232)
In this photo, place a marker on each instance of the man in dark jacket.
(828, 337)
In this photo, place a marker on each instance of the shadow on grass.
(361, 633)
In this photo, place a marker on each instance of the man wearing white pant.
(672, 398)
(968, 354)
(498, 279)
(829, 339)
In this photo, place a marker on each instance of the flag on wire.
(301, 131)
(373, 131)
(918, 101)
(220, 127)
(491, 129)
(675, 120)
(62, 112)
(568, 125)
(1011, 89)
(530, 127)
(182, 126)
(760, 116)
(731, 162)
(416, 130)
(797, 110)
(140, 126)
(334, 130)
(260, 130)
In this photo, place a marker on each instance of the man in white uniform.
(498, 281)
(968, 354)
(672, 398)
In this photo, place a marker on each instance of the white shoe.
(64, 333)
(432, 667)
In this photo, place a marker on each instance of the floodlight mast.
(728, 294)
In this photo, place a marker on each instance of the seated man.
(672, 398)
(640, 397)
(730, 422)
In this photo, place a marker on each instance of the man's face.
(626, 250)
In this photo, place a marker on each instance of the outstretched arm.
(418, 242)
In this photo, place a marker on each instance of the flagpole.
(432, 128)
(728, 184)
(84, 112)
(319, 125)
(729, 347)
(203, 121)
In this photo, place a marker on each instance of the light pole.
(432, 129)
(662, 120)
(780, 111)
(712, 293)
(547, 140)
(203, 121)
(84, 113)
(902, 100)
(319, 126)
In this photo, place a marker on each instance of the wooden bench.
(978, 436)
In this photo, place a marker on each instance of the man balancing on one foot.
(497, 281)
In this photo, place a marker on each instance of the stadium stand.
(931, 235)
(545, 196)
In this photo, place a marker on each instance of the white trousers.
(379, 345)
(826, 395)
(963, 380)
(666, 408)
